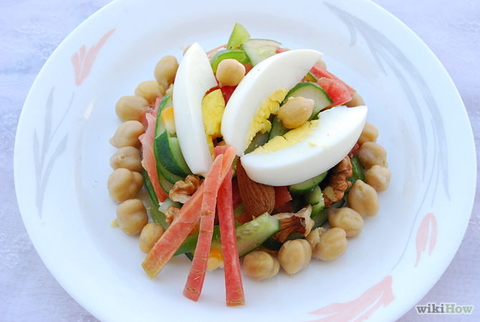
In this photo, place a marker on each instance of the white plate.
(62, 152)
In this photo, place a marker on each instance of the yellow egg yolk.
(260, 122)
(213, 105)
(290, 138)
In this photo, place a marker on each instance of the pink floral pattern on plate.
(82, 60)
(427, 232)
(361, 308)
(46, 151)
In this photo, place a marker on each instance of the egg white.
(331, 140)
(194, 77)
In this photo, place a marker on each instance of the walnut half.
(183, 190)
(299, 222)
(171, 214)
(337, 182)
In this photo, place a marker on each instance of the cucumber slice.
(165, 177)
(254, 233)
(314, 196)
(277, 128)
(164, 103)
(168, 152)
(258, 140)
(320, 218)
(318, 208)
(358, 171)
(311, 91)
(155, 213)
(238, 55)
(307, 185)
(249, 235)
(238, 36)
(260, 49)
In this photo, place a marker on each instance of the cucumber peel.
(249, 235)
(277, 128)
(307, 185)
(157, 216)
(358, 172)
(238, 36)
(168, 152)
(238, 55)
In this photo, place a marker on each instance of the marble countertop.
(31, 29)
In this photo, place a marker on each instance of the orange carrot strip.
(233, 276)
(149, 162)
(172, 239)
(167, 245)
(196, 277)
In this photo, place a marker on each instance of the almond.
(256, 197)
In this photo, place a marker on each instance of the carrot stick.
(149, 163)
(196, 277)
(233, 276)
(167, 245)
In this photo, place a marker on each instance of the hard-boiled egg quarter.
(307, 151)
(279, 72)
(194, 78)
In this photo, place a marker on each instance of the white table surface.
(29, 32)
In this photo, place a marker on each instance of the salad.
(255, 158)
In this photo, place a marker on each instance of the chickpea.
(127, 134)
(230, 72)
(294, 255)
(296, 111)
(150, 234)
(332, 244)
(132, 216)
(347, 219)
(363, 198)
(165, 70)
(378, 177)
(124, 184)
(371, 153)
(131, 108)
(127, 157)
(369, 134)
(150, 90)
(356, 100)
(260, 265)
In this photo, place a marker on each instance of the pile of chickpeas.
(126, 181)
(330, 242)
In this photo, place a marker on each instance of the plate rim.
(121, 3)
